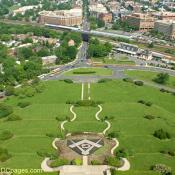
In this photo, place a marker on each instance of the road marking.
(89, 86)
(82, 91)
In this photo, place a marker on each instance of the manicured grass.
(136, 132)
(120, 101)
(122, 61)
(38, 119)
(148, 76)
(85, 121)
(89, 71)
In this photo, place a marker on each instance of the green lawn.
(136, 132)
(122, 61)
(148, 76)
(38, 119)
(89, 71)
(85, 121)
(120, 101)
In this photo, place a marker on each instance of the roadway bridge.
(89, 32)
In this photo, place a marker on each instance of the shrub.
(161, 78)
(95, 162)
(162, 169)
(51, 135)
(130, 80)
(121, 153)
(39, 88)
(107, 118)
(141, 101)
(43, 153)
(76, 162)
(9, 90)
(13, 117)
(5, 135)
(113, 161)
(84, 72)
(23, 104)
(164, 90)
(139, 83)
(4, 155)
(148, 103)
(68, 81)
(161, 134)
(149, 117)
(60, 118)
(30, 92)
(113, 135)
(104, 80)
(5, 110)
(87, 103)
(168, 152)
(145, 103)
(70, 102)
(58, 162)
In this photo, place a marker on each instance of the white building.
(49, 59)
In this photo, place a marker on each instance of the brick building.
(166, 27)
(71, 17)
(141, 21)
(106, 17)
(165, 15)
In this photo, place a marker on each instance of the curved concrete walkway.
(98, 112)
(54, 143)
(65, 121)
(115, 146)
(46, 168)
(108, 127)
(74, 114)
(126, 165)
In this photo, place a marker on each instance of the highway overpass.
(89, 32)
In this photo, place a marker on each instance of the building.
(113, 5)
(142, 22)
(71, 17)
(106, 17)
(49, 60)
(129, 49)
(145, 55)
(100, 11)
(97, 9)
(164, 15)
(166, 27)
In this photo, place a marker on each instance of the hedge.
(5, 110)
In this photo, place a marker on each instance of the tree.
(162, 169)
(25, 52)
(100, 23)
(43, 52)
(71, 52)
(5, 37)
(162, 78)
(32, 69)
